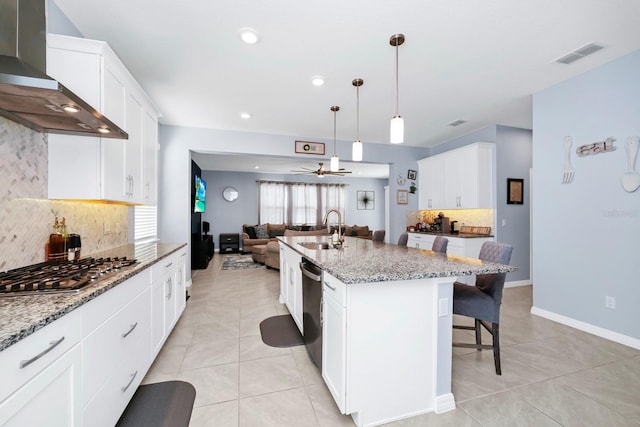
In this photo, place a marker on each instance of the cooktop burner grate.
(55, 277)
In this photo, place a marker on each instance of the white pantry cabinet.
(94, 168)
(458, 179)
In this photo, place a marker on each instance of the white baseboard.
(516, 283)
(587, 327)
(444, 403)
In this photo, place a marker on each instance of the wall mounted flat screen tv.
(200, 195)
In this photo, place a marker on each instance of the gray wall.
(586, 233)
(228, 217)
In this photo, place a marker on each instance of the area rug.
(239, 262)
(280, 331)
(166, 404)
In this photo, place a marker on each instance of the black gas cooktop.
(54, 277)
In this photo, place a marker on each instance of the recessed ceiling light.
(245, 116)
(317, 80)
(256, 167)
(249, 35)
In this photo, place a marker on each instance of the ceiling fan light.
(397, 130)
(335, 164)
(356, 151)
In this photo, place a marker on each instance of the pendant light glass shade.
(396, 132)
(335, 162)
(356, 147)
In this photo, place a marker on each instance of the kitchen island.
(386, 325)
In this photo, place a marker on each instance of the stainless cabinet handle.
(133, 376)
(321, 311)
(329, 286)
(168, 265)
(130, 330)
(169, 286)
(52, 345)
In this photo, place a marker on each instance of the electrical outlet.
(610, 302)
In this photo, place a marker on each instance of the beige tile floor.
(552, 374)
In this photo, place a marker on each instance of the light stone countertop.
(448, 234)
(363, 261)
(20, 316)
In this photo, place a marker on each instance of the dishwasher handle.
(310, 274)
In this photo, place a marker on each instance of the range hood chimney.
(27, 95)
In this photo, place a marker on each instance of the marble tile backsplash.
(27, 217)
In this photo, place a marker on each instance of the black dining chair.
(403, 239)
(482, 301)
(378, 236)
(440, 244)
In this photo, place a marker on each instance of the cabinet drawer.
(98, 310)
(25, 359)
(335, 288)
(108, 404)
(126, 335)
(163, 267)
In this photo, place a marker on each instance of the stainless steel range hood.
(27, 95)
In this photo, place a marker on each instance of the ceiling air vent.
(580, 53)
(457, 122)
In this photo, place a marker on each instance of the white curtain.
(298, 203)
(271, 202)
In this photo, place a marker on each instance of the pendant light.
(397, 123)
(335, 162)
(356, 150)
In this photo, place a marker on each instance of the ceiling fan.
(321, 171)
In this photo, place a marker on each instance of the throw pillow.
(261, 232)
(276, 232)
(362, 231)
(251, 231)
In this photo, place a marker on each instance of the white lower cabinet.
(291, 281)
(83, 368)
(334, 339)
(41, 377)
(420, 241)
(163, 301)
(115, 358)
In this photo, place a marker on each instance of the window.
(146, 224)
(298, 203)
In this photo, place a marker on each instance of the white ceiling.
(282, 165)
(478, 61)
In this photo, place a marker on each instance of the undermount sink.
(315, 245)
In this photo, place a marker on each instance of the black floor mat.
(166, 404)
(280, 331)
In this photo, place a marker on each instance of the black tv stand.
(201, 251)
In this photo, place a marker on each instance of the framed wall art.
(515, 191)
(306, 147)
(402, 197)
(412, 175)
(366, 200)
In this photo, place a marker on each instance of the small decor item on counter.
(631, 179)
(605, 146)
(335, 239)
(568, 171)
(58, 241)
(413, 188)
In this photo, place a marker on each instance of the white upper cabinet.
(458, 179)
(93, 168)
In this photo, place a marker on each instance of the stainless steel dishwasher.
(312, 310)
